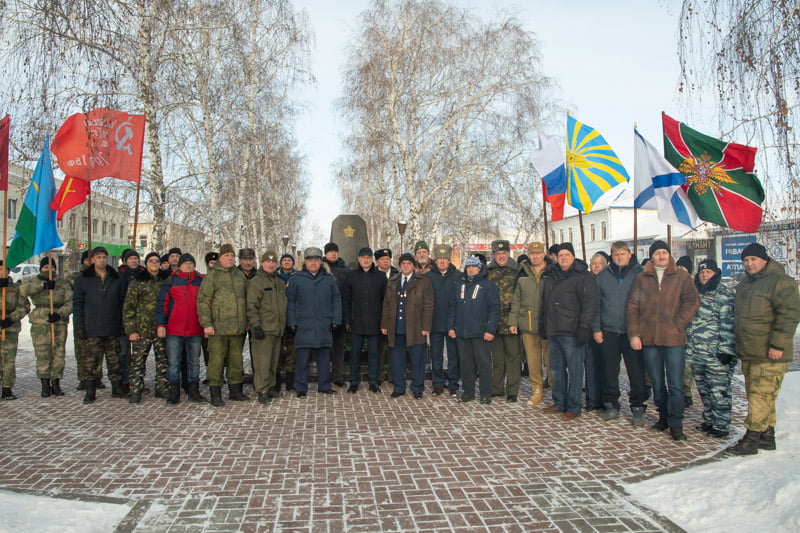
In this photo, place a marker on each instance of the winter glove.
(53, 318)
(291, 330)
(6, 323)
(50, 285)
(348, 328)
(4, 283)
(81, 334)
(335, 328)
(725, 358)
(258, 333)
(582, 336)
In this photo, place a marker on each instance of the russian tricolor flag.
(549, 163)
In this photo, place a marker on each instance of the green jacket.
(526, 303)
(139, 309)
(266, 302)
(40, 298)
(221, 302)
(17, 306)
(505, 279)
(766, 313)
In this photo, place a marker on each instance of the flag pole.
(136, 214)
(89, 226)
(544, 213)
(52, 326)
(583, 238)
(5, 254)
(669, 236)
(635, 214)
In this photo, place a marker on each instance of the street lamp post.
(401, 228)
(285, 242)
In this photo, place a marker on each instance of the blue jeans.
(438, 341)
(302, 360)
(400, 354)
(372, 358)
(667, 391)
(566, 362)
(175, 349)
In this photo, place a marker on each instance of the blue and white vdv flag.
(657, 185)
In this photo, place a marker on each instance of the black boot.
(135, 397)
(89, 396)
(7, 394)
(81, 385)
(194, 393)
(216, 396)
(235, 393)
(289, 381)
(277, 387)
(55, 387)
(98, 384)
(116, 389)
(747, 446)
(767, 441)
(45, 387)
(174, 394)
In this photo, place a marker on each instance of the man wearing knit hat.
(128, 270)
(173, 257)
(766, 313)
(422, 256)
(338, 268)
(663, 300)
(221, 308)
(506, 350)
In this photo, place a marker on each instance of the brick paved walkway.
(361, 462)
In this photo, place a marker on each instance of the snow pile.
(755, 493)
(27, 512)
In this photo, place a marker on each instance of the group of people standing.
(574, 321)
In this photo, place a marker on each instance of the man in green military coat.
(17, 306)
(222, 312)
(49, 342)
(506, 352)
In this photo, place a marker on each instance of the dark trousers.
(302, 368)
(476, 361)
(337, 355)
(566, 360)
(400, 355)
(124, 348)
(593, 372)
(613, 345)
(438, 342)
(665, 365)
(372, 358)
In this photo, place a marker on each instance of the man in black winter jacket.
(569, 307)
(97, 311)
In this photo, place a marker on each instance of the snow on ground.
(755, 493)
(27, 512)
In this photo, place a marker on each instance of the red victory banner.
(73, 192)
(99, 144)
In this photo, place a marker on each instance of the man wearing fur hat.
(661, 303)
(506, 353)
(422, 257)
(49, 345)
(139, 323)
(266, 313)
(766, 313)
(221, 308)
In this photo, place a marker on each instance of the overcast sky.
(616, 64)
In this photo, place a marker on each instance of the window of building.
(94, 226)
(11, 212)
(561, 235)
(122, 233)
(60, 223)
(105, 228)
(553, 236)
(143, 241)
(603, 231)
(113, 229)
(592, 233)
(570, 235)
(72, 222)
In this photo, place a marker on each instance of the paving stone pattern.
(363, 462)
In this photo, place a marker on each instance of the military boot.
(45, 387)
(174, 394)
(277, 387)
(89, 395)
(216, 396)
(194, 393)
(116, 389)
(767, 441)
(638, 416)
(81, 385)
(7, 394)
(55, 387)
(289, 381)
(160, 393)
(235, 393)
(609, 412)
(98, 384)
(748, 445)
(135, 397)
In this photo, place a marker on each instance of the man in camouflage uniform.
(49, 344)
(139, 324)
(766, 313)
(266, 313)
(17, 306)
(506, 356)
(221, 308)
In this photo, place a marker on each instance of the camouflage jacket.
(221, 302)
(505, 279)
(17, 306)
(139, 309)
(711, 330)
(40, 298)
(266, 302)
